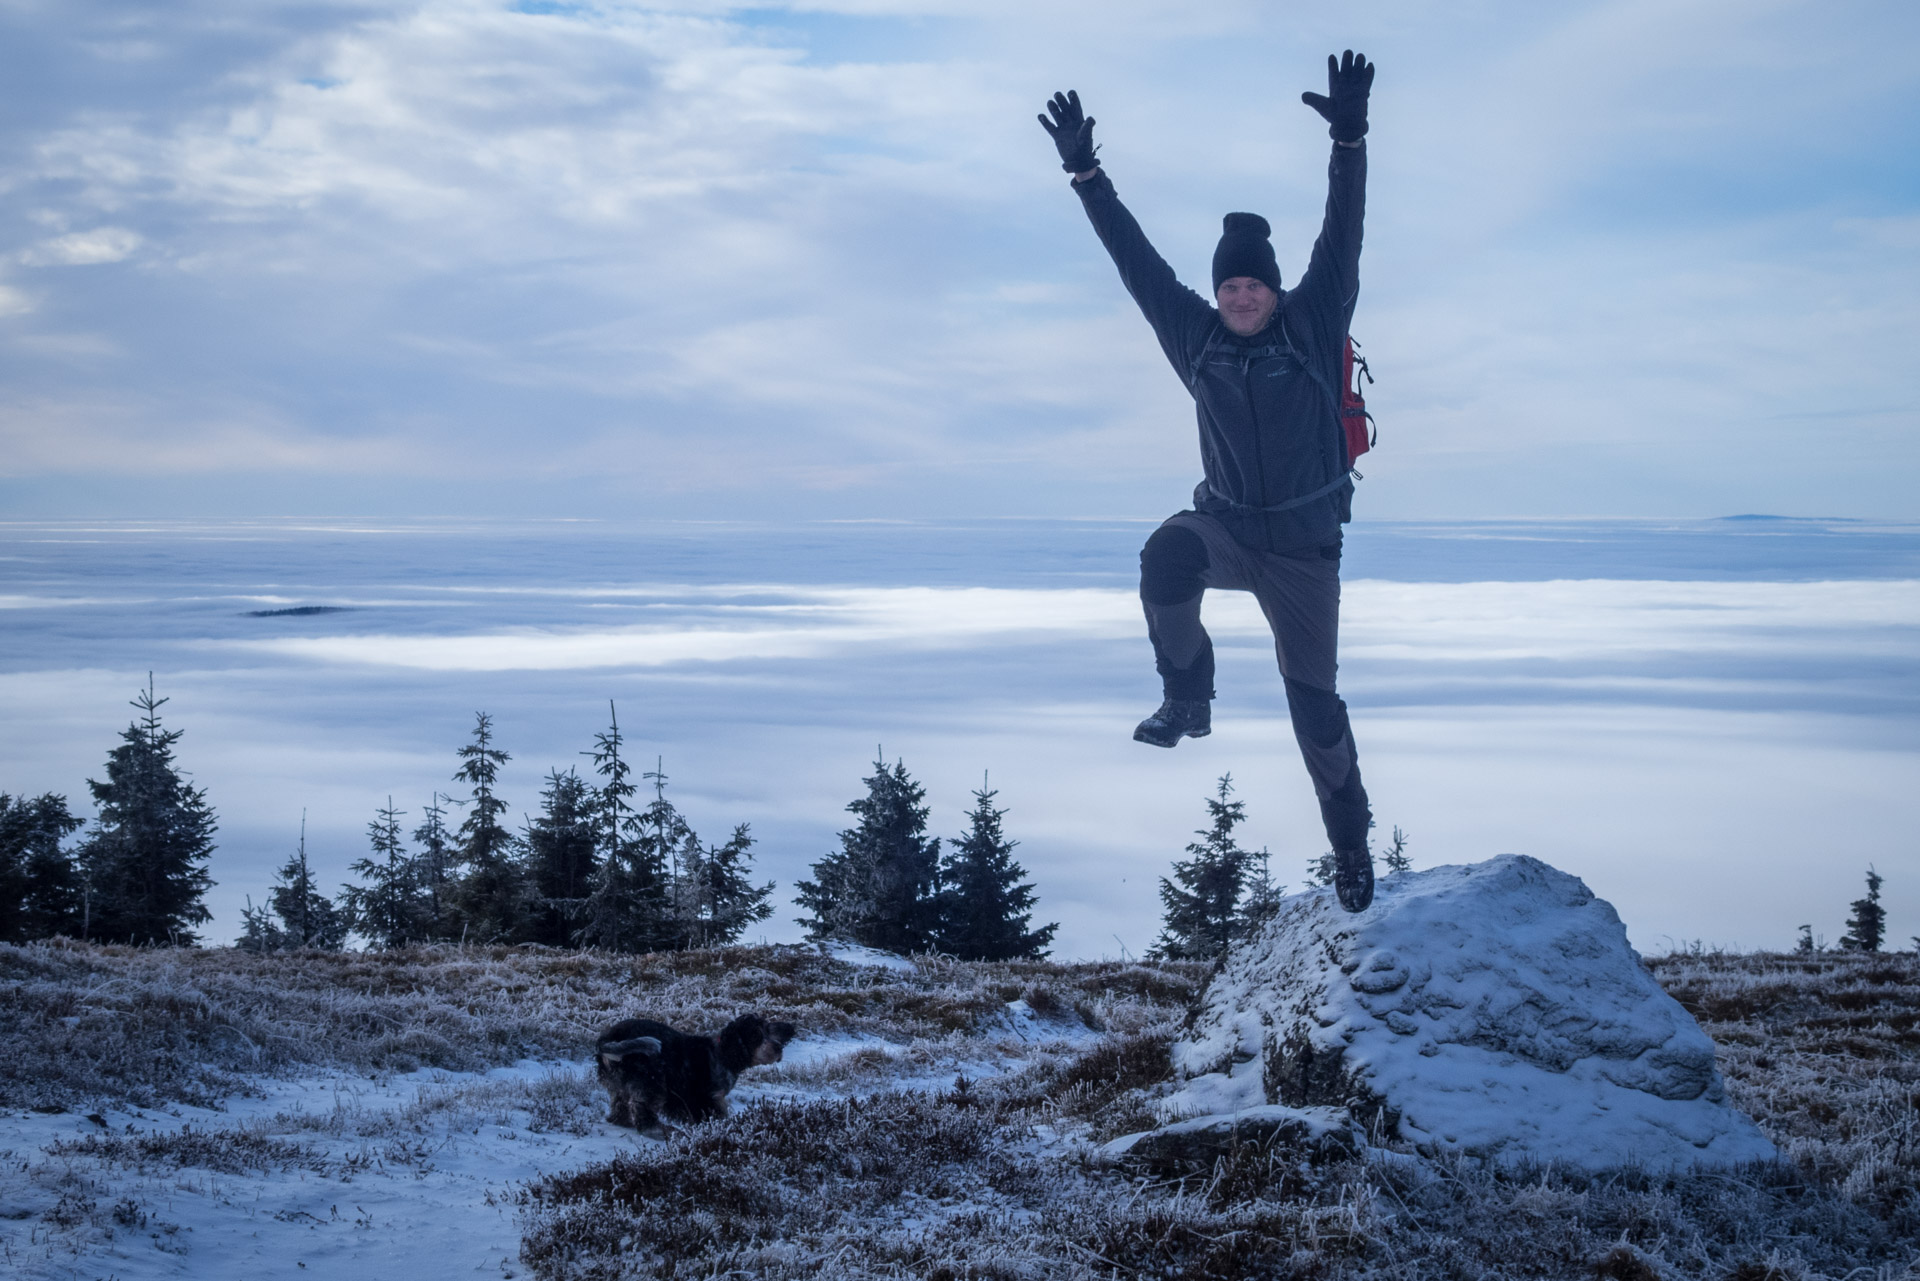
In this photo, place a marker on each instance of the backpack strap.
(1290, 504)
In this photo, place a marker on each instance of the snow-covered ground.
(397, 1175)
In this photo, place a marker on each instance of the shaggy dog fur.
(651, 1071)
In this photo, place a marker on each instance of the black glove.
(1071, 132)
(1344, 108)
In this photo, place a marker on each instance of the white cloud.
(84, 248)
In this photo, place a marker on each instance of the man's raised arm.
(1181, 318)
(1331, 285)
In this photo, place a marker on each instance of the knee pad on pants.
(1319, 715)
(1171, 565)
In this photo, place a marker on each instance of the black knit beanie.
(1244, 250)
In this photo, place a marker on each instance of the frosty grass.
(432, 1113)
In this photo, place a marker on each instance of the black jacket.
(1269, 429)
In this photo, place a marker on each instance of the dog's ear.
(645, 1047)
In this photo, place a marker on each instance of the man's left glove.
(1344, 106)
(1072, 132)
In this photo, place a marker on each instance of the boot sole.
(1150, 741)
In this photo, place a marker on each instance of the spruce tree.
(388, 907)
(39, 884)
(562, 857)
(985, 905)
(146, 859)
(880, 889)
(1200, 920)
(1867, 927)
(259, 932)
(1262, 901)
(1320, 869)
(667, 842)
(491, 896)
(436, 869)
(628, 909)
(715, 897)
(308, 918)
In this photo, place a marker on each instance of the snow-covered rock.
(1495, 1009)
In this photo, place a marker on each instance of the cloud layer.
(468, 257)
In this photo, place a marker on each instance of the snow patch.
(1021, 1021)
(854, 954)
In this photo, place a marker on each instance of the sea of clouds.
(1719, 752)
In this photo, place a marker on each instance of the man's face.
(1246, 304)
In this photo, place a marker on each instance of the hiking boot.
(1353, 878)
(1177, 718)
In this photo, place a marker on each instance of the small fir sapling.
(145, 862)
(1394, 857)
(985, 905)
(40, 887)
(388, 908)
(628, 908)
(259, 932)
(880, 889)
(1263, 894)
(307, 917)
(1867, 927)
(296, 914)
(1201, 918)
(1320, 869)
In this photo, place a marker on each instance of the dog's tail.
(645, 1047)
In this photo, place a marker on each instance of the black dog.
(652, 1071)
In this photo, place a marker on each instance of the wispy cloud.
(819, 259)
(1591, 627)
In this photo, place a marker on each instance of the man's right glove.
(1344, 107)
(1072, 132)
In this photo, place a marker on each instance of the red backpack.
(1361, 432)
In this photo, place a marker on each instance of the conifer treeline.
(602, 864)
(591, 869)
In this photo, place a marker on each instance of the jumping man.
(1265, 368)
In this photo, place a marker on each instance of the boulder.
(1494, 1010)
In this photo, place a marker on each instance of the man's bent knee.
(1319, 715)
(1172, 565)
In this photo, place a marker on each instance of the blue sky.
(604, 259)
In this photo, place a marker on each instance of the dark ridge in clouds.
(470, 257)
